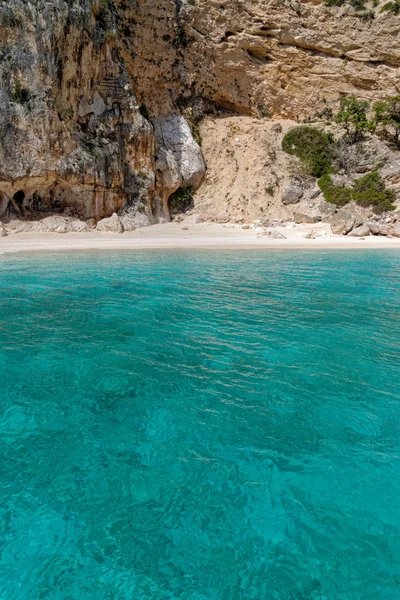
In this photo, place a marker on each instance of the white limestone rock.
(173, 134)
(112, 224)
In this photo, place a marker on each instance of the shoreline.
(208, 236)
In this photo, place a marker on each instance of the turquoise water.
(200, 425)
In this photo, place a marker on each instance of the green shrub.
(66, 113)
(370, 190)
(357, 4)
(387, 114)
(336, 194)
(21, 95)
(393, 7)
(195, 129)
(314, 148)
(352, 116)
(181, 200)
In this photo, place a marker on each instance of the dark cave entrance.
(19, 198)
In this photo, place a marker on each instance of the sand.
(200, 236)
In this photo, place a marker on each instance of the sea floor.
(214, 425)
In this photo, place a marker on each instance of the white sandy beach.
(199, 236)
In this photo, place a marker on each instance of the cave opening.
(19, 198)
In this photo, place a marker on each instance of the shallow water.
(200, 425)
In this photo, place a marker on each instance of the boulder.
(193, 220)
(3, 231)
(340, 180)
(342, 222)
(175, 137)
(391, 171)
(112, 224)
(276, 128)
(396, 230)
(360, 231)
(77, 226)
(135, 220)
(223, 217)
(311, 235)
(326, 208)
(91, 223)
(292, 195)
(59, 224)
(366, 155)
(257, 224)
(312, 193)
(277, 235)
(273, 234)
(385, 229)
(16, 226)
(373, 227)
(302, 218)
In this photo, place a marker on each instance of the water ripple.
(200, 426)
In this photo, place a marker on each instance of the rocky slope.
(100, 100)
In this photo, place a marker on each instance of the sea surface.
(200, 425)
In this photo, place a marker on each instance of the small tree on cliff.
(387, 114)
(352, 116)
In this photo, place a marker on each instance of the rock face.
(180, 162)
(100, 99)
(73, 133)
(287, 58)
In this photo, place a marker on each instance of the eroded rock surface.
(100, 100)
(111, 224)
(73, 133)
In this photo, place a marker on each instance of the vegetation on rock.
(335, 194)
(393, 7)
(353, 118)
(387, 114)
(321, 153)
(369, 190)
(313, 147)
(20, 95)
(181, 200)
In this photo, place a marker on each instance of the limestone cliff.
(99, 98)
(73, 135)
